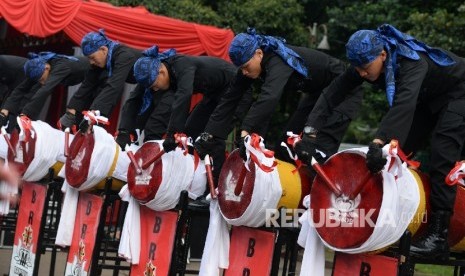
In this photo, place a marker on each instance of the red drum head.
(233, 206)
(24, 152)
(347, 171)
(78, 161)
(144, 187)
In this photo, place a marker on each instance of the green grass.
(436, 270)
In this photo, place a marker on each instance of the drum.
(92, 158)
(347, 169)
(166, 177)
(37, 154)
(293, 186)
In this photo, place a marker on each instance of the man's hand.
(207, 144)
(374, 160)
(240, 144)
(123, 139)
(170, 143)
(3, 119)
(67, 120)
(305, 148)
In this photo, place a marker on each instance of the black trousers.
(446, 129)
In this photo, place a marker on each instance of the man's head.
(365, 50)
(151, 73)
(245, 53)
(37, 69)
(95, 46)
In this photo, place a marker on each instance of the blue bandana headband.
(364, 46)
(146, 71)
(244, 45)
(34, 68)
(92, 41)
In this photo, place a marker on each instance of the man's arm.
(82, 98)
(157, 125)
(396, 123)
(131, 109)
(277, 75)
(13, 102)
(185, 85)
(114, 86)
(222, 116)
(342, 87)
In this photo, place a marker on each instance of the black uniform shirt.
(277, 76)
(11, 73)
(62, 71)
(188, 74)
(417, 82)
(123, 60)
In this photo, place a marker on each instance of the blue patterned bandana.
(92, 41)
(146, 71)
(364, 46)
(244, 45)
(34, 68)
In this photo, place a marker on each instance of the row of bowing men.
(424, 87)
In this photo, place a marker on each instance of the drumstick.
(77, 147)
(361, 185)
(67, 141)
(240, 181)
(154, 158)
(133, 159)
(211, 184)
(319, 170)
(10, 146)
(23, 145)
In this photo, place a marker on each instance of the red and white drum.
(159, 185)
(285, 186)
(389, 203)
(38, 147)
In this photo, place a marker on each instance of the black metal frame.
(49, 222)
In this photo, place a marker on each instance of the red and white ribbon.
(256, 152)
(456, 175)
(94, 118)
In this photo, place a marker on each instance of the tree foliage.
(439, 23)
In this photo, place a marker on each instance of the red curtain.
(135, 27)
(39, 17)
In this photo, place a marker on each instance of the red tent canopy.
(135, 27)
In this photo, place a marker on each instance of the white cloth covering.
(266, 193)
(6, 190)
(177, 175)
(401, 199)
(105, 149)
(49, 146)
(216, 250)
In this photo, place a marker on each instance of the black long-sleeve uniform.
(428, 98)
(11, 74)
(95, 95)
(277, 77)
(188, 75)
(63, 71)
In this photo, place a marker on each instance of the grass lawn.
(421, 269)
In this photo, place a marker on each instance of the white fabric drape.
(103, 154)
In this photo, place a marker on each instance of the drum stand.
(108, 233)
(105, 255)
(192, 213)
(48, 224)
